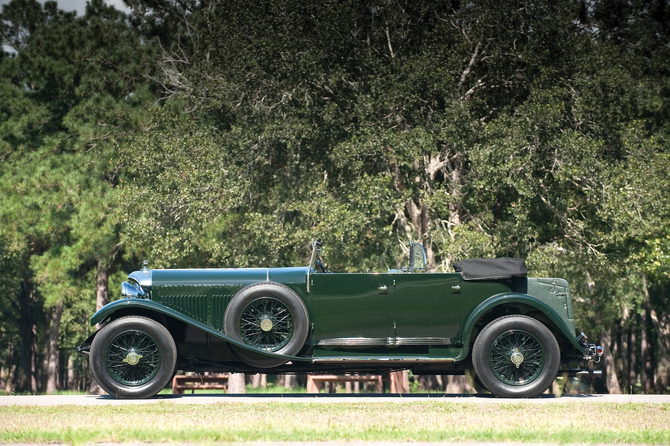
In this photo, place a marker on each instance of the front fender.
(145, 304)
(519, 298)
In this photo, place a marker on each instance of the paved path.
(88, 400)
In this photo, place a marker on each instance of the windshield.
(316, 261)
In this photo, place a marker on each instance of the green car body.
(352, 322)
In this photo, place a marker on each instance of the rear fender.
(512, 298)
(124, 304)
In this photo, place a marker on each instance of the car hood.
(218, 276)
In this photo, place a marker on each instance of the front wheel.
(516, 357)
(133, 357)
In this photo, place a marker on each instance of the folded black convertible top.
(502, 268)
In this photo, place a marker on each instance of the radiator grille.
(206, 309)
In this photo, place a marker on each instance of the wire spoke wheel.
(516, 357)
(133, 358)
(266, 323)
(267, 317)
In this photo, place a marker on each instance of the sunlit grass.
(384, 421)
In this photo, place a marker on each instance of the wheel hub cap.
(517, 357)
(266, 324)
(132, 358)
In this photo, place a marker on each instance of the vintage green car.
(513, 333)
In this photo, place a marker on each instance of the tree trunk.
(455, 181)
(236, 383)
(632, 361)
(27, 311)
(625, 349)
(428, 382)
(417, 211)
(102, 279)
(33, 360)
(457, 384)
(605, 341)
(400, 382)
(11, 373)
(289, 381)
(420, 218)
(618, 355)
(11, 369)
(608, 361)
(52, 368)
(645, 379)
(662, 328)
(101, 299)
(70, 373)
(663, 362)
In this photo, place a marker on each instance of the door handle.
(383, 289)
(456, 287)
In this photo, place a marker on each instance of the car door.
(350, 310)
(426, 308)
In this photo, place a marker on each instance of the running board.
(571, 373)
(377, 360)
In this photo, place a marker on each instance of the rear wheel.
(516, 356)
(479, 387)
(269, 317)
(133, 357)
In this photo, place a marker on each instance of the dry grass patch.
(412, 421)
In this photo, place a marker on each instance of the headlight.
(131, 290)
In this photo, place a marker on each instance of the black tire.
(479, 387)
(133, 357)
(516, 357)
(275, 320)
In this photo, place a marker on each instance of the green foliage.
(76, 89)
(491, 129)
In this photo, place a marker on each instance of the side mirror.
(417, 257)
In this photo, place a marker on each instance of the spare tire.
(267, 316)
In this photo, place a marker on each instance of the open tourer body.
(514, 333)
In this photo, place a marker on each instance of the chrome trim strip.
(387, 360)
(353, 341)
(419, 341)
(360, 341)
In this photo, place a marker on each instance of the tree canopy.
(231, 134)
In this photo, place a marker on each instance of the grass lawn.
(412, 421)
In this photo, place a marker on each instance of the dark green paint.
(144, 304)
(564, 325)
(383, 316)
(434, 305)
(350, 305)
